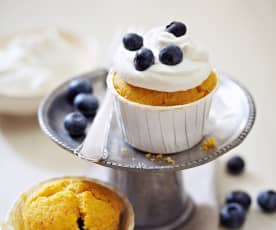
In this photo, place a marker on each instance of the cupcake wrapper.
(161, 129)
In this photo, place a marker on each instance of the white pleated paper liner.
(161, 129)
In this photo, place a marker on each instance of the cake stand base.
(159, 199)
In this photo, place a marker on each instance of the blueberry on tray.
(75, 123)
(76, 87)
(87, 104)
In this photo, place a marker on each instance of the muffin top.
(157, 98)
(69, 204)
(163, 59)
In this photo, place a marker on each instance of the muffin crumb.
(208, 144)
(159, 156)
(169, 160)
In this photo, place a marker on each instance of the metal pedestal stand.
(155, 189)
(159, 199)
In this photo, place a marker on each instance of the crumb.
(123, 150)
(159, 156)
(169, 160)
(208, 144)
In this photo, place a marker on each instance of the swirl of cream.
(191, 72)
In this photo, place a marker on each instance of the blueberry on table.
(170, 55)
(75, 123)
(87, 104)
(232, 216)
(235, 165)
(78, 86)
(239, 197)
(176, 28)
(143, 59)
(267, 201)
(132, 41)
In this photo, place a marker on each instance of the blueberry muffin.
(71, 204)
(162, 83)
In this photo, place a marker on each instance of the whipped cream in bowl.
(191, 72)
(33, 63)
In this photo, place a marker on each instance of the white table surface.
(241, 37)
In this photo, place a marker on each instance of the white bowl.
(16, 105)
(26, 102)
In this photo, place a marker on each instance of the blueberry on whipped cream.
(143, 59)
(178, 29)
(170, 55)
(132, 41)
(166, 61)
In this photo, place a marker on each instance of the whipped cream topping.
(191, 72)
(33, 63)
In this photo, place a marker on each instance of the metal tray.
(232, 116)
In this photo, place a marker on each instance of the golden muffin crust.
(61, 204)
(157, 98)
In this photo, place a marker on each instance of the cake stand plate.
(164, 204)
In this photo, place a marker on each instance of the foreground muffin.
(163, 86)
(71, 204)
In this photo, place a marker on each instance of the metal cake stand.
(155, 188)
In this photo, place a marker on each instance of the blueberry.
(75, 123)
(78, 86)
(239, 197)
(80, 223)
(232, 216)
(87, 104)
(235, 165)
(176, 28)
(144, 58)
(132, 41)
(267, 201)
(170, 55)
